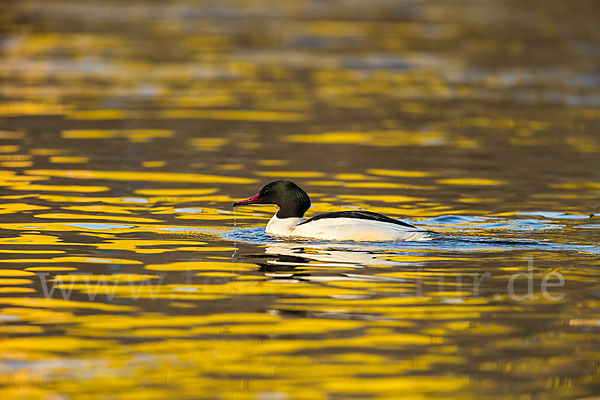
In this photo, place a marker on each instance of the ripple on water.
(554, 215)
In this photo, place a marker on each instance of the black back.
(360, 215)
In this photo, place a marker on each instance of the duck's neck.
(293, 204)
(291, 211)
(282, 226)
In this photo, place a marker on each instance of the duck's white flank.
(348, 229)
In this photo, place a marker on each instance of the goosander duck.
(342, 225)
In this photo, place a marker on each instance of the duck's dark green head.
(291, 199)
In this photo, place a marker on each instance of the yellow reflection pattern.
(128, 129)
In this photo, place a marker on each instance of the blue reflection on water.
(189, 210)
(135, 200)
(93, 226)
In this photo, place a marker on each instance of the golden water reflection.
(127, 130)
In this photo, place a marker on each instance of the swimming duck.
(293, 202)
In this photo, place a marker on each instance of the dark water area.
(128, 129)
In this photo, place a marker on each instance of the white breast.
(348, 229)
(282, 226)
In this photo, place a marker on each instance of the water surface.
(127, 130)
